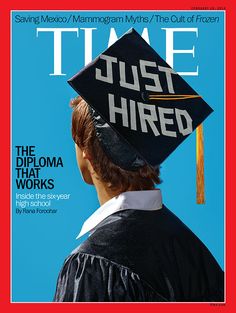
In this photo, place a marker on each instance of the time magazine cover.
(118, 157)
(50, 198)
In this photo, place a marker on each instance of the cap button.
(145, 96)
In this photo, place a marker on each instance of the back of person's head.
(113, 176)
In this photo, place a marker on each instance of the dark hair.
(116, 178)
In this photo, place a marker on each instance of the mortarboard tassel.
(200, 165)
(172, 97)
(199, 145)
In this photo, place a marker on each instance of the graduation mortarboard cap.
(141, 108)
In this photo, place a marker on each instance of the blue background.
(41, 117)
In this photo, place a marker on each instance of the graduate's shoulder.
(138, 230)
(152, 245)
(142, 225)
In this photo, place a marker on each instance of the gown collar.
(147, 200)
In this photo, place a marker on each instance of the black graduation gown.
(141, 256)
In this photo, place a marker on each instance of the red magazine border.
(5, 152)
